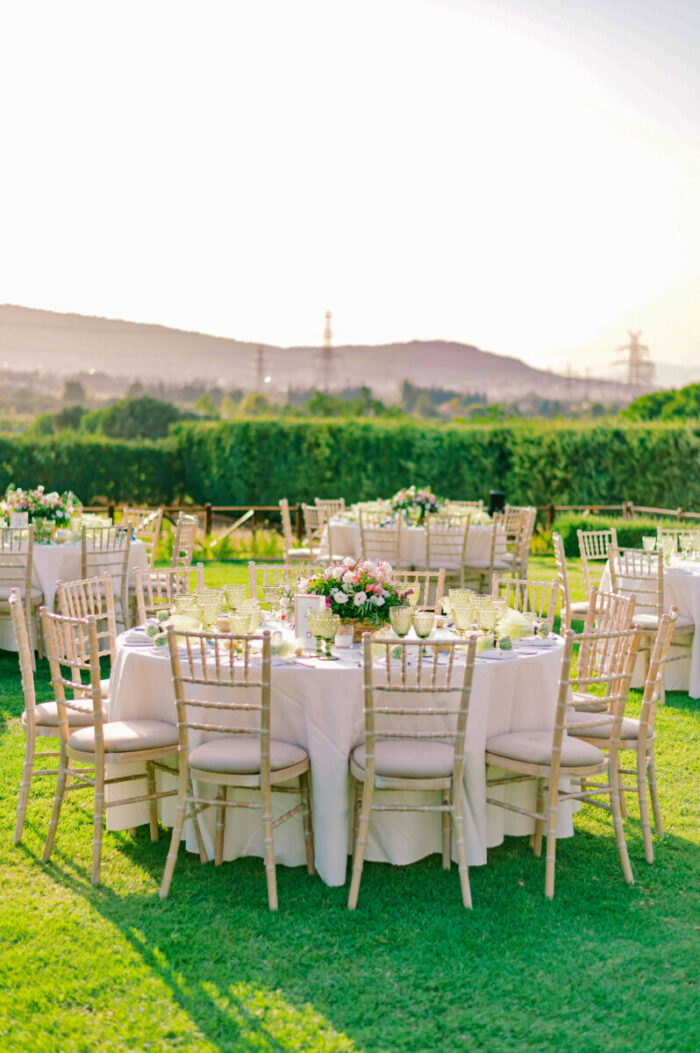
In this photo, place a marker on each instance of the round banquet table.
(318, 705)
(681, 590)
(347, 542)
(61, 562)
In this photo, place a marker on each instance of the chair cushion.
(123, 736)
(299, 553)
(651, 621)
(5, 590)
(588, 702)
(46, 714)
(409, 758)
(535, 747)
(629, 729)
(240, 755)
(580, 607)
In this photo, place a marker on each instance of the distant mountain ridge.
(66, 344)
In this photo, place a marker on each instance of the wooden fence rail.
(269, 515)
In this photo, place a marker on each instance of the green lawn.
(605, 966)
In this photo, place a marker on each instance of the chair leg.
(308, 825)
(644, 806)
(97, 824)
(551, 852)
(63, 765)
(358, 854)
(539, 823)
(269, 848)
(618, 826)
(177, 833)
(153, 804)
(653, 793)
(446, 834)
(26, 784)
(458, 822)
(220, 829)
(621, 793)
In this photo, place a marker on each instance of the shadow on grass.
(410, 969)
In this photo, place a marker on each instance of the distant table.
(62, 562)
(318, 705)
(347, 542)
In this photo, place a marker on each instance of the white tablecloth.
(681, 590)
(347, 542)
(54, 563)
(319, 706)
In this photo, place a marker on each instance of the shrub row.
(629, 531)
(255, 462)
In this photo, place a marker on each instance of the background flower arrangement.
(357, 589)
(423, 501)
(58, 508)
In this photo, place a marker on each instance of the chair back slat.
(380, 537)
(639, 574)
(594, 545)
(92, 597)
(528, 596)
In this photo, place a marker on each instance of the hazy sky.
(518, 174)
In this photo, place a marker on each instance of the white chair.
(186, 529)
(380, 539)
(330, 506)
(446, 537)
(16, 563)
(105, 550)
(639, 736)
(594, 545)
(556, 760)
(39, 719)
(570, 611)
(261, 574)
(146, 525)
(536, 597)
(292, 552)
(404, 758)
(231, 702)
(93, 597)
(641, 574)
(429, 584)
(156, 590)
(72, 651)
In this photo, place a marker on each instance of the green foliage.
(94, 468)
(681, 404)
(139, 418)
(258, 461)
(629, 531)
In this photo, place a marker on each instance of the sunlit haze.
(521, 175)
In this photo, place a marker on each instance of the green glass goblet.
(401, 620)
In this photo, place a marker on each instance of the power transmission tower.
(259, 372)
(325, 356)
(640, 368)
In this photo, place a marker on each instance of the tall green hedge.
(255, 462)
(259, 461)
(95, 469)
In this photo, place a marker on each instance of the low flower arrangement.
(58, 508)
(359, 590)
(422, 501)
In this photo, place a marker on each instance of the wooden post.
(551, 513)
(299, 522)
(207, 519)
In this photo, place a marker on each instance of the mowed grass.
(605, 966)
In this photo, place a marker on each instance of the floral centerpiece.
(412, 500)
(359, 590)
(46, 510)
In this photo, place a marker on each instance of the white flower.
(378, 601)
(347, 578)
(340, 597)
(360, 598)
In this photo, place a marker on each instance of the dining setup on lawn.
(394, 689)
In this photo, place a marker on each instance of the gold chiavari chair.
(261, 574)
(428, 584)
(639, 736)
(186, 529)
(105, 550)
(16, 563)
(93, 597)
(380, 538)
(415, 726)
(292, 552)
(146, 525)
(641, 574)
(570, 611)
(230, 701)
(557, 759)
(73, 654)
(594, 545)
(39, 719)
(156, 590)
(536, 597)
(446, 536)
